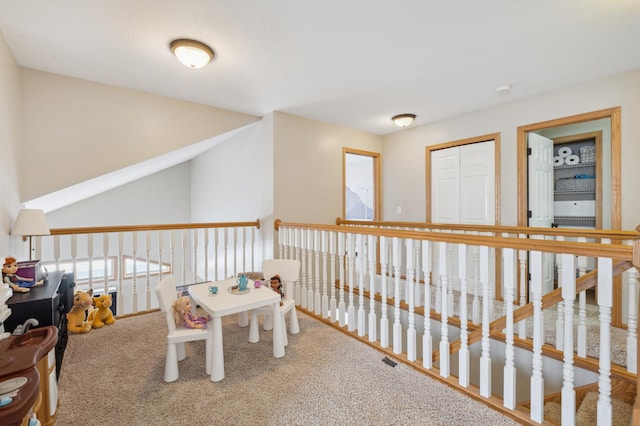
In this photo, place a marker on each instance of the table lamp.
(29, 223)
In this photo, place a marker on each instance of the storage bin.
(574, 208)
(575, 184)
(588, 154)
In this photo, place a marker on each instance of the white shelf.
(573, 166)
(574, 217)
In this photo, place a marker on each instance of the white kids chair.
(177, 336)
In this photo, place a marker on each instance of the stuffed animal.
(76, 322)
(102, 314)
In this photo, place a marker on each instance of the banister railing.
(129, 261)
(443, 267)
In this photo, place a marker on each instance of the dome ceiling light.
(403, 120)
(192, 53)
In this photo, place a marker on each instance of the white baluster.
(411, 329)
(341, 266)
(384, 320)
(226, 252)
(235, 252)
(632, 321)
(302, 297)
(537, 381)
(560, 307)
(427, 342)
(351, 264)
(74, 253)
(194, 253)
(172, 250)
(417, 300)
(450, 277)
(582, 307)
(476, 286)
(569, 297)
(485, 358)
(134, 244)
(105, 255)
(56, 253)
(90, 256)
(216, 254)
(509, 386)
(360, 270)
(324, 305)
(444, 327)
(463, 358)
(311, 277)
(316, 295)
(148, 283)
(522, 261)
(206, 254)
(397, 326)
(605, 302)
(371, 252)
(160, 236)
(309, 295)
(438, 281)
(121, 274)
(332, 280)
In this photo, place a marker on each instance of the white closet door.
(463, 184)
(445, 185)
(477, 184)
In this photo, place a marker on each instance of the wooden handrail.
(161, 227)
(614, 251)
(496, 229)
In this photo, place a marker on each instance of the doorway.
(604, 127)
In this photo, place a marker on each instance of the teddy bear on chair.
(102, 314)
(76, 322)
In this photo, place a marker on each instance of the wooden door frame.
(495, 137)
(616, 176)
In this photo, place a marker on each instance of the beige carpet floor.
(114, 376)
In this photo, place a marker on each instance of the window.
(361, 177)
(141, 267)
(97, 266)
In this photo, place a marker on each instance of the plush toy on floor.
(102, 314)
(17, 283)
(76, 322)
(183, 316)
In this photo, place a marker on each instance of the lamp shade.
(31, 222)
(191, 53)
(403, 120)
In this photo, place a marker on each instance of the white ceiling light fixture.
(192, 53)
(403, 120)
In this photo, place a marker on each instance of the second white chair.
(289, 272)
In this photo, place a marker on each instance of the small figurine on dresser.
(183, 316)
(17, 283)
(276, 285)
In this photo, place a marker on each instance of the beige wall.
(404, 152)
(94, 129)
(308, 167)
(9, 142)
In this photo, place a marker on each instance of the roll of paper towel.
(558, 161)
(565, 151)
(571, 160)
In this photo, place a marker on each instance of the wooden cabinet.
(577, 180)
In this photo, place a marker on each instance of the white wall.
(100, 128)
(403, 153)
(308, 167)
(9, 157)
(160, 198)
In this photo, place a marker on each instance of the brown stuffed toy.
(76, 322)
(102, 314)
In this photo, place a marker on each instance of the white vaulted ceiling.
(353, 63)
